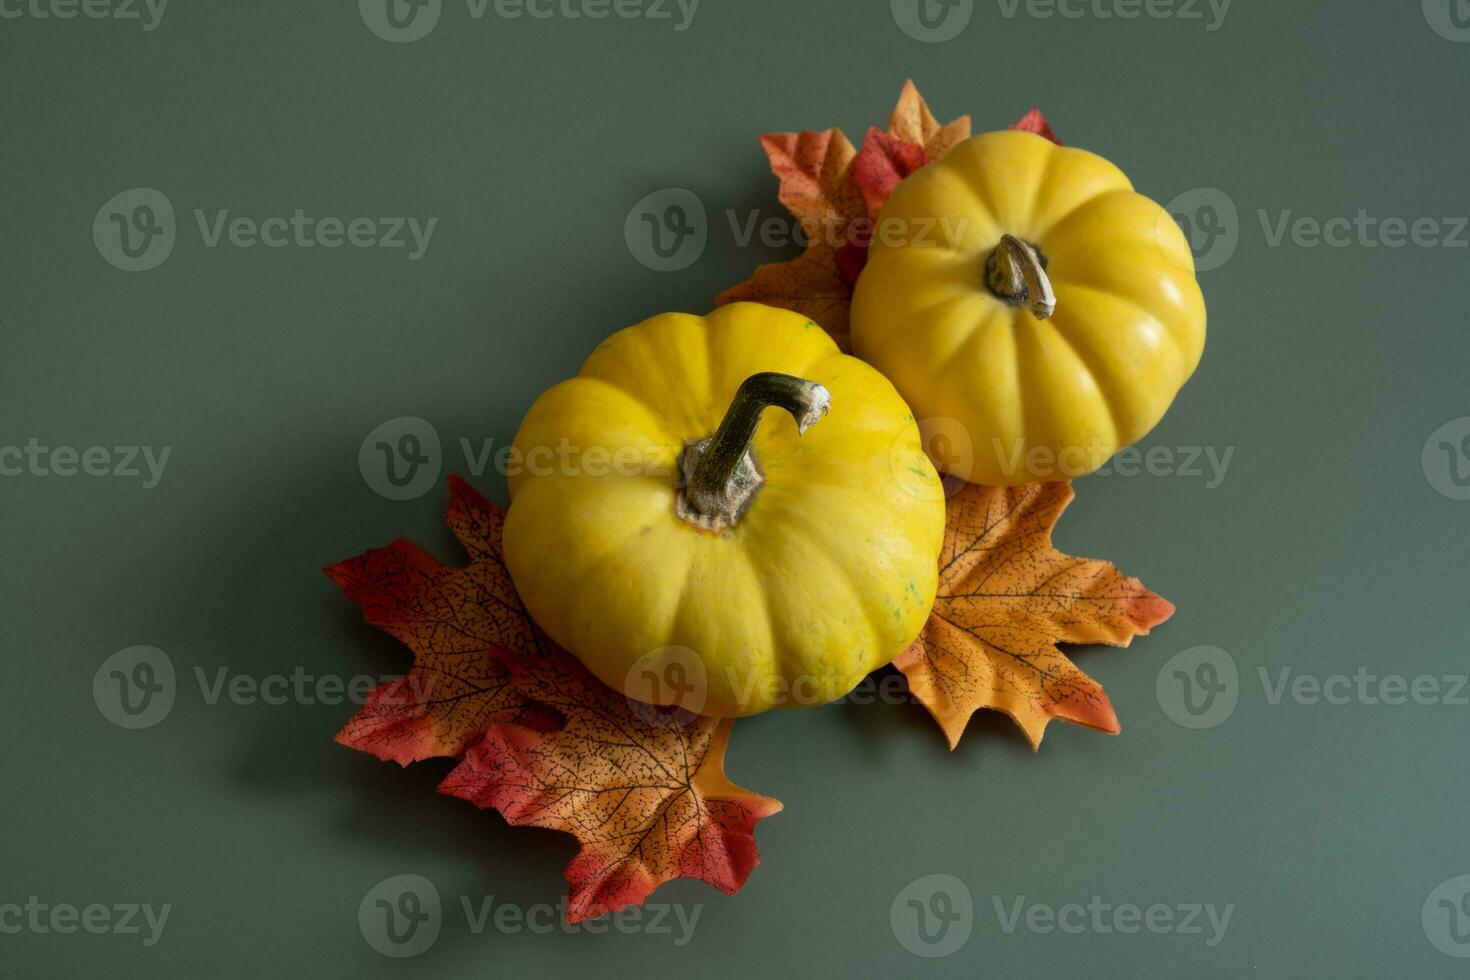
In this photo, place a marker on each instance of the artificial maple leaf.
(912, 122)
(812, 284)
(816, 170)
(643, 789)
(1035, 122)
(456, 621)
(852, 258)
(1006, 598)
(816, 185)
(884, 161)
(646, 796)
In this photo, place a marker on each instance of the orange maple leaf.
(818, 187)
(815, 169)
(538, 736)
(646, 794)
(459, 622)
(816, 181)
(912, 122)
(1006, 598)
(811, 284)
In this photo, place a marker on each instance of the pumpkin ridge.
(636, 398)
(1089, 364)
(816, 546)
(1162, 322)
(1058, 237)
(1169, 323)
(1072, 152)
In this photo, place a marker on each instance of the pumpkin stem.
(1016, 273)
(719, 474)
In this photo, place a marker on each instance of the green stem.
(720, 474)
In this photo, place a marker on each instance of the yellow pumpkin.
(1036, 312)
(691, 553)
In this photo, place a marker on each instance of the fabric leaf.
(812, 284)
(455, 621)
(836, 193)
(816, 186)
(912, 122)
(1035, 122)
(647, 798)
(1006, 598)
(538, 736)
(883, 162)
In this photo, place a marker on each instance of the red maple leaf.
(539, 738)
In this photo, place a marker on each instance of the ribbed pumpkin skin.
(1038, 399)
(828, 575)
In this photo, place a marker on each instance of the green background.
(1325, 548)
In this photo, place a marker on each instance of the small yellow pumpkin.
(690, 553)
(1027, 301)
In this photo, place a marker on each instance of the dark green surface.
(1324, 549)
